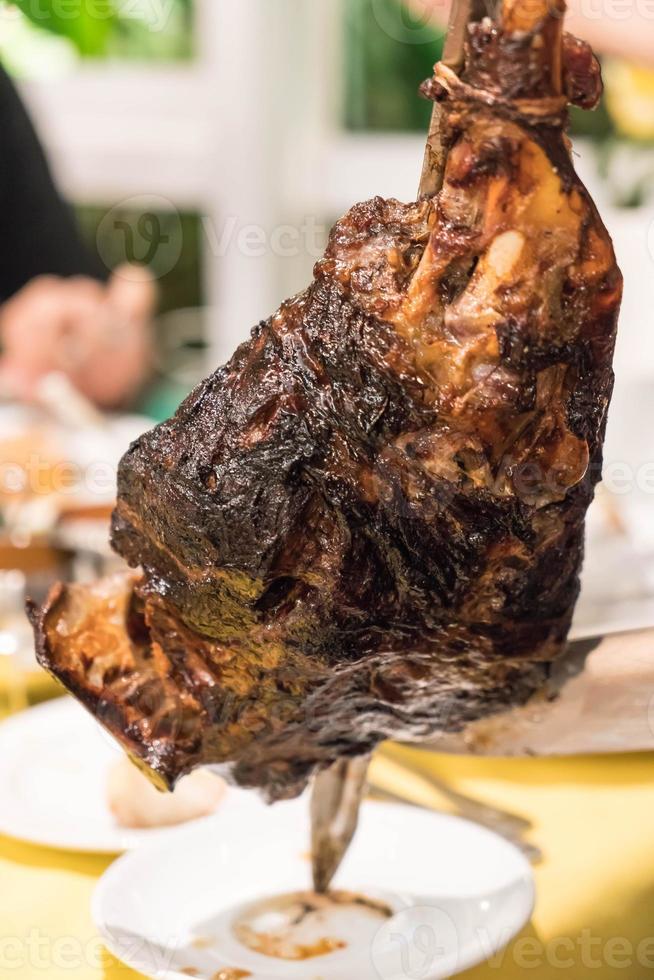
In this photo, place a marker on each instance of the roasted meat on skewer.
(369, 523)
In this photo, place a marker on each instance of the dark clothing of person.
(41, 236)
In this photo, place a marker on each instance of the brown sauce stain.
(279, 948)
(350, 898)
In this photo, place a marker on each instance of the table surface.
(594, 915)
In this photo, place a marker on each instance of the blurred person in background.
(60, 309)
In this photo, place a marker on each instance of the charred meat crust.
(369, 523)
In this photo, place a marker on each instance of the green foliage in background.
(596, 124)
(389, 53)
(140, 39)
(87, 23)
(99, 29)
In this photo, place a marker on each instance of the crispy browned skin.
(370, 522)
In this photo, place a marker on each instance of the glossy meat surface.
(369, 523)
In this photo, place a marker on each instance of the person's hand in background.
(97, 334)
(616, 28)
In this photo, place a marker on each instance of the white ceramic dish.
(54, 766)
(459, 894)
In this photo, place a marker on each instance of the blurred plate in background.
(54, 769)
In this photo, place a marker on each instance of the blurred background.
(205, 147)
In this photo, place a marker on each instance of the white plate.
(462, 892)
(54, 765)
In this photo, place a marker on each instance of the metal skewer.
(338, 791)
(335, 802)
(462, 13)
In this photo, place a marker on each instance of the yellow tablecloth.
(595, 908)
